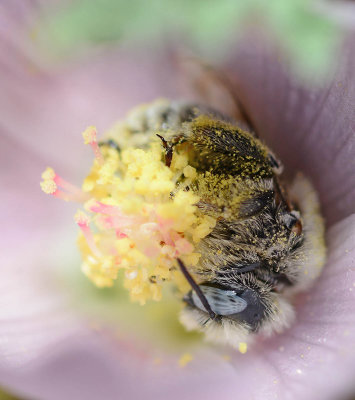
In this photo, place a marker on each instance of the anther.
(48, 186)
(90, 137)
(52, 182)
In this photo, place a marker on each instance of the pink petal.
(313, 360)
(48, 350)
(311, 129)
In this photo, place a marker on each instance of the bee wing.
(222, 302)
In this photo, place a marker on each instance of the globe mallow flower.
(137, 218)
(52, 349)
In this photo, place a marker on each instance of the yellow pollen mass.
(48, 174)
(139, 219)
(48, 186)
(189, 172)
(243, 347)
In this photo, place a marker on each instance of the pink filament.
(108, 209)
(87, 232)
(66, 185)
(97, 152)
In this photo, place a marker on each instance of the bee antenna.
(196, 288)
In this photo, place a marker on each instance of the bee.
(267, 244)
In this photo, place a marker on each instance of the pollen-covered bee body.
(266, 245)
(226, 150)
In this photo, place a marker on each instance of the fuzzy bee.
(267, 244)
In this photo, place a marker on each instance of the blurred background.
(307, 33)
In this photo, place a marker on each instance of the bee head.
(240, 311)
(240, 304)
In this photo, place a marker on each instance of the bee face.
(267, 244)
(238, 303)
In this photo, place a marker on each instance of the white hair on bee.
(225, 331)
(309, 265)
(280, 316)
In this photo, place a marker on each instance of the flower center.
(139, 217)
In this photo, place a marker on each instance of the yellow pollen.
(139, 217)
(189, 172)
(243, 347)
(81, 218)
(48, 186)
(48, 174)
(89, 135)
(185, 359)
(135, 219)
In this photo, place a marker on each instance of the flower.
(133, 224)
(51, 350)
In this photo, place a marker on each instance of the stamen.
(90, 138)
(49, 187)
(49, 174)
(102, 208)
(130, 220)
(83, 222)
(67, 185)
(52, 182)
